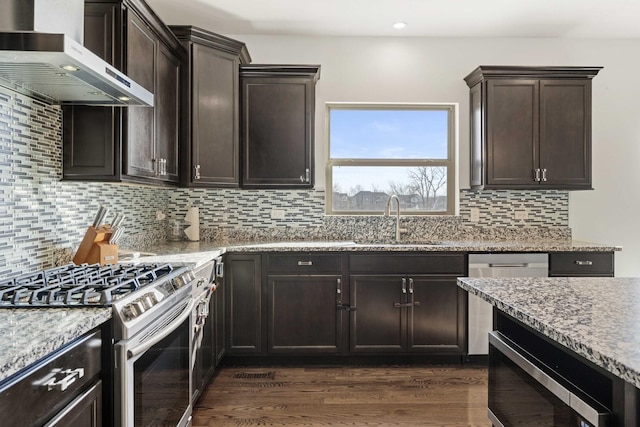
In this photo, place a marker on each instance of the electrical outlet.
(475, 215)
(521, 214)
(277, 213)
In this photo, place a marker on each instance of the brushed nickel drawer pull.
(305, 263)
(585, 263)
(71, 376)
(406, 304)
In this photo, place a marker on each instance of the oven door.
(153, 372)
(524, 392)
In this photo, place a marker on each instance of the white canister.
(193, 218)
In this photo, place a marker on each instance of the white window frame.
(450, 162)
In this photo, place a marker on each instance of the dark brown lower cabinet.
(219, 315)
(205, 360)
(406, 314)
(303, 314)
(244, 302)
(361, 304)
(434, 326)
(85, 411)
(581, 264)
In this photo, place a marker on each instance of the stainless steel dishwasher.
(496, 265)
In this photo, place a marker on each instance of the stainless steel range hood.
(42, 55)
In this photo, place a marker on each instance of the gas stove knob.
(148, 300)
(132, 310)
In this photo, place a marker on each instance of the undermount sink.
(401, 243)
(309, 243)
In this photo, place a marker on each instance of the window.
(377, 150)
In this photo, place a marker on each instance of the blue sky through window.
(388, 134)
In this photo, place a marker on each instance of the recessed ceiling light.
(124, 98)
(69, 68)
(399, 25)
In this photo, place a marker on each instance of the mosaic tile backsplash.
(43, 219)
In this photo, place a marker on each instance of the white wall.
(432, 70)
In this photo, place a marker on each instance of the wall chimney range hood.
(42, 56)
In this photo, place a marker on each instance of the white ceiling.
(426, 18)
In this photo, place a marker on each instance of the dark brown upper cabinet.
(134, 144)
(531, 127)
(278, 125)
(210, 108)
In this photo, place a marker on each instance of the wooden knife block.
(95, 247)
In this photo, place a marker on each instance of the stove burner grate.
(78, 285)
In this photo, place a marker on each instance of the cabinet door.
(90, 148)
(278, 117)
(167, 99)
(205, 356)
(512, 132)
(565, 132)
(437, 317)
(244, 325)
(376, 325)
(215, 118)
(303, 314)
(141, 63)
(84, 411)
(220, 321)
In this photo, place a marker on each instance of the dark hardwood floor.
(436, 395)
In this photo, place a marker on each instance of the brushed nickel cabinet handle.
(410, 285)
(404, 286)
(544, 175)
(406, 304)
(338, 286)
(584, 263)
(197, 172)
(305, 263)
(71, 376)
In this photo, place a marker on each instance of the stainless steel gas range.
(153, 328)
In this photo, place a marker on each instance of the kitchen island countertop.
(594, 317)
(30, 334)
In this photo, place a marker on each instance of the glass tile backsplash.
(42, 216)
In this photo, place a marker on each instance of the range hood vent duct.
(42, 56)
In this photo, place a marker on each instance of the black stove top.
(78, 285)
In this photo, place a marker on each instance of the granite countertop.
(594, 317)
(186, 250)
(28, 335)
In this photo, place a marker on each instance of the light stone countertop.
(217, 248)
(28, 335)
(597, 318)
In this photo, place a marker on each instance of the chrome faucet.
(387, 212)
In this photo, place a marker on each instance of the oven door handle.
(154, 339)
(596, 417)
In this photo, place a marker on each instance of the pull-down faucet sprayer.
(387, 212)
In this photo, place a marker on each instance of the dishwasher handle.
(508, 265)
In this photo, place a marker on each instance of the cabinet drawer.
(42, 391)
(305, 263)
(408, 263)
(581, 264)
